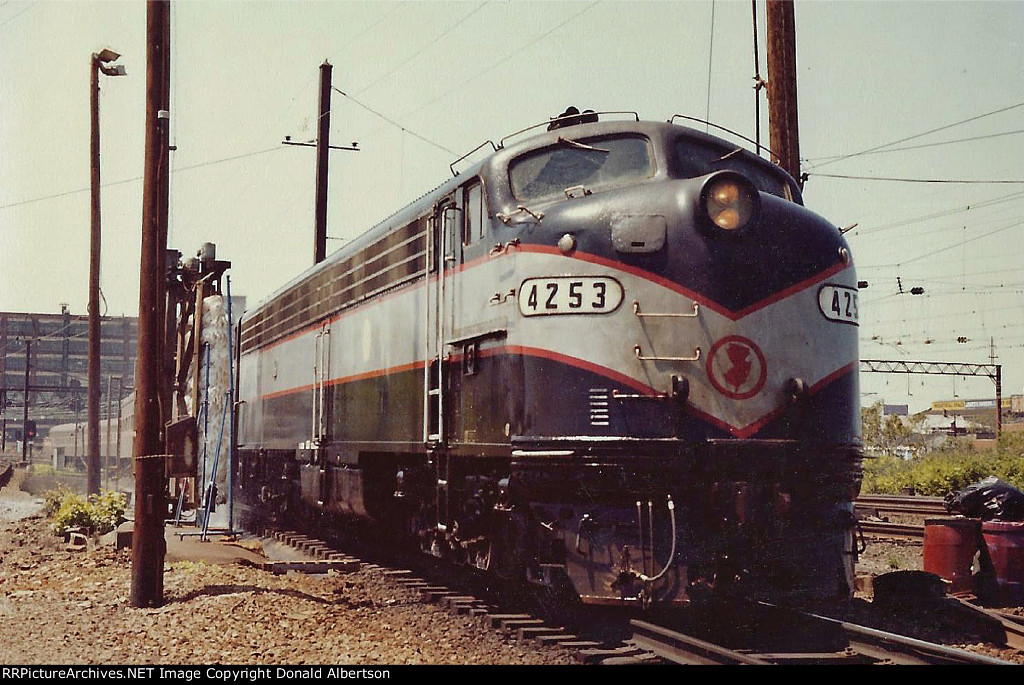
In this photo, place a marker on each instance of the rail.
(903, 504)
(886, 529)
(863, 645)
(683, 649)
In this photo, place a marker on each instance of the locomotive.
(615, 357)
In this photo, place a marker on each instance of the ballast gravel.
(72, 607)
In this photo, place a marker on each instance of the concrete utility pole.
(782, 109)
(99, 62)
(148, 546)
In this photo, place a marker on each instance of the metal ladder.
(433, 326)
(321, 374)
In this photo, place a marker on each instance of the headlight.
(729, 201)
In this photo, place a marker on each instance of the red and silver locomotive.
(617, 357)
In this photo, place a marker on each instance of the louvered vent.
(599, 407)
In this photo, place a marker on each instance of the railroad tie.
(494, 620)
(513, 625)
(529, 633)
(597, 655)
(558, 639)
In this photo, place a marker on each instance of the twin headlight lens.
(729, 201)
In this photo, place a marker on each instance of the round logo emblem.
(736, 367)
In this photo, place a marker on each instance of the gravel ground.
(886, 556)
(71, 607)
(67, 607)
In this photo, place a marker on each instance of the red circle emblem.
(736, 367)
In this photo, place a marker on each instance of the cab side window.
(473, 211)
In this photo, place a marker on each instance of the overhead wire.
(7, 21)
(918, 135)
(1017, 195)
(188, 167)
(200, 164)
(958, 244)
(393, 122)
(918, 180)
(711, 53)
(416, 54)
(501, 60)
(925, 145)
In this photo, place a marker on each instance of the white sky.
(245, 74)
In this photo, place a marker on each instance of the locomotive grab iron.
(616, 357)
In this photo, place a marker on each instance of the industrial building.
(55, 347)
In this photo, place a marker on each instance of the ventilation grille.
(599, 407)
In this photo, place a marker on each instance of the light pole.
(100, 63)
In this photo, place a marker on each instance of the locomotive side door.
(442, 258)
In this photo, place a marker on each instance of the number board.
(569, 295)
(838, 303)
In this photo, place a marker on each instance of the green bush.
(98, 515)
(52, 499)
(951, 468)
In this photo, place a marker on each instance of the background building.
(58, 368)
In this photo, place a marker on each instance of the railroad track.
(884, 529)
(861, 645)
(876, 506)
(645, 642)
(902, 504)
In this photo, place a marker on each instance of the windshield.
(699, 159)
(594, 163)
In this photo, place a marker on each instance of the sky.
(921, 94)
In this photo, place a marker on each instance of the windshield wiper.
(579, 145)
(727, 155)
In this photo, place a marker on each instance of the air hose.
(672, 554)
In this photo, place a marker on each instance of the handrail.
(452, 165)
(501, 143)
(636, 310)
(640, 355)
(727, 130)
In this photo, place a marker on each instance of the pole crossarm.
(931, 368)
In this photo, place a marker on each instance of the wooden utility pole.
(92, 459)
(782, 109)
(106, 452)
(148, 546)
(323, 145)
(24, 410)
(99, 63)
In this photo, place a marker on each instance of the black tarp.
(988, 499)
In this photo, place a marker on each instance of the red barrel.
(1005, 543)
(949, 548)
